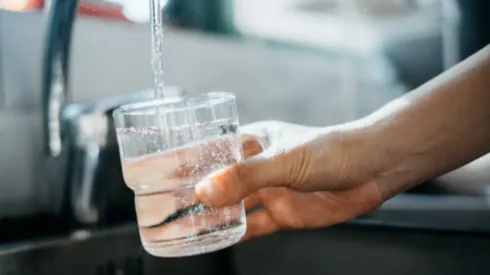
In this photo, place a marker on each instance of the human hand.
(305, 178)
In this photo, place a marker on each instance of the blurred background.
(316, 62)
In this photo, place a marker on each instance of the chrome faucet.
(55, 85)
(85, 128)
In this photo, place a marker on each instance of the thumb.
(236, 182)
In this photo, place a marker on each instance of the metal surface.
(115, 251)
(32, 183)
(364, 250)
(56, 70)
(2, 92)
(77, 174)
(90, 128)
(361, 248)
(95, 178)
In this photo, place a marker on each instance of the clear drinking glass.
(166, 147)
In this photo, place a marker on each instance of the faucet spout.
(55, 78)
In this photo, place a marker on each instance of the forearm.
(438, 127)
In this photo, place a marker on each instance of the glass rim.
(127, 109)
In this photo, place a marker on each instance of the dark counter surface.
(450, 213)
(412, 233)
(432, 212)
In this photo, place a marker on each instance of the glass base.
(196, 245)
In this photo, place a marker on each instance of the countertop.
(469, 214)
(449, 213)
(413, 233)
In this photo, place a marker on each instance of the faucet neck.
(55, 77)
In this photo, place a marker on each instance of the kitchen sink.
(411, 234)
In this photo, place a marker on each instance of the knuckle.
(298, 166)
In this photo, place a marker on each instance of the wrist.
(391, 159)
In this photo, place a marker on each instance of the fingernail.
(207, 191)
